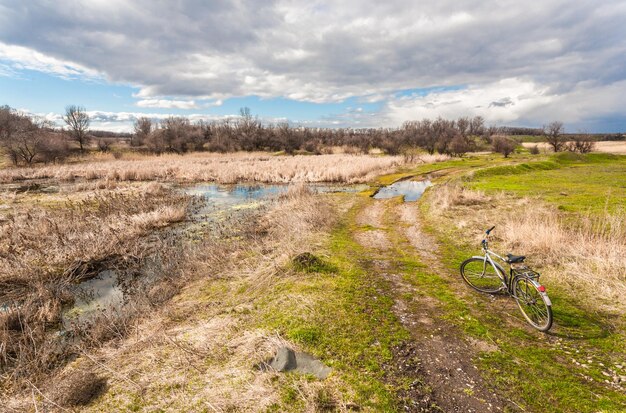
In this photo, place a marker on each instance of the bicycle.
(485, 275)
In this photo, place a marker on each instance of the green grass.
(536, 371)
(350, 324)
(576, 183)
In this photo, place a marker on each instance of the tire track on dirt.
(437, 360)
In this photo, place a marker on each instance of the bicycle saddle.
(515, 258)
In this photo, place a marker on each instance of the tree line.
(27, 139)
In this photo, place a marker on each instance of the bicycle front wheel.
(534, 304)
(481, 275)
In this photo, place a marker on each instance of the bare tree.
(143, 127)
(77, 120)
(503, 144)
(477, 126)
(248, 129)
(28, 139)
(553, 135)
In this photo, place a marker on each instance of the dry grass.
(46, 250)
(226, 169)
(588, 256)
(77, 388)
(199, 351)
(614, 147)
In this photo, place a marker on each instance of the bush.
(503, 145)
(583, 143)
(459, 146)
(104, 144)
(27, 139)
(534, 150)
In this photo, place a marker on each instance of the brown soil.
(437, 362)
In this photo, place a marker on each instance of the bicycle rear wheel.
(533, 303)
(481, 275)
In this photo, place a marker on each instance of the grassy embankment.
(575, 367)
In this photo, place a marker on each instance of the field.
(369, 287)
(225, 169)
(614, 147)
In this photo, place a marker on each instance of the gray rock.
(288, 360)
(285, 360)
(307, 364)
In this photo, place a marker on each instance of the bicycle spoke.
(532, 304)
(481, 275)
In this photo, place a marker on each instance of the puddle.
(105, 293)
(222, 200)
(235, 194)
(94, 296)
(411, 190)
(240, 193)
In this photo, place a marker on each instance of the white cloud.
(167, 104)
(504, 101)
(24, 58)
(318, 51)
(511, 101)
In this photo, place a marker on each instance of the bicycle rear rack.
(525, 271)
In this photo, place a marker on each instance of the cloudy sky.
(357, 63)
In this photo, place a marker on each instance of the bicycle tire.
(485, 280)
(534, 304)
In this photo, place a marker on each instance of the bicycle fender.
(543, 294)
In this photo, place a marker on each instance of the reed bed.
(44, 251)
(206, 344)
(220, 168)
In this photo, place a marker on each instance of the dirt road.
(438, 360)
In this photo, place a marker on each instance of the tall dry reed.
(587, 253)
(226, 169)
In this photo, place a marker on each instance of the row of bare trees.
(27, 139)
(453, 137)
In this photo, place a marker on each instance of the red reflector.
(542, 288)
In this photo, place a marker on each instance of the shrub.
(582, 143)
(534, 150)
(503, 145)
(27, 139)
(104, 144)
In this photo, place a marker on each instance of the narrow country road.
(438, 359)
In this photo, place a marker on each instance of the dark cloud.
(319, 51)
(501, 103)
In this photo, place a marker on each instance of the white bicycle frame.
(487, 258)
(500, 272)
